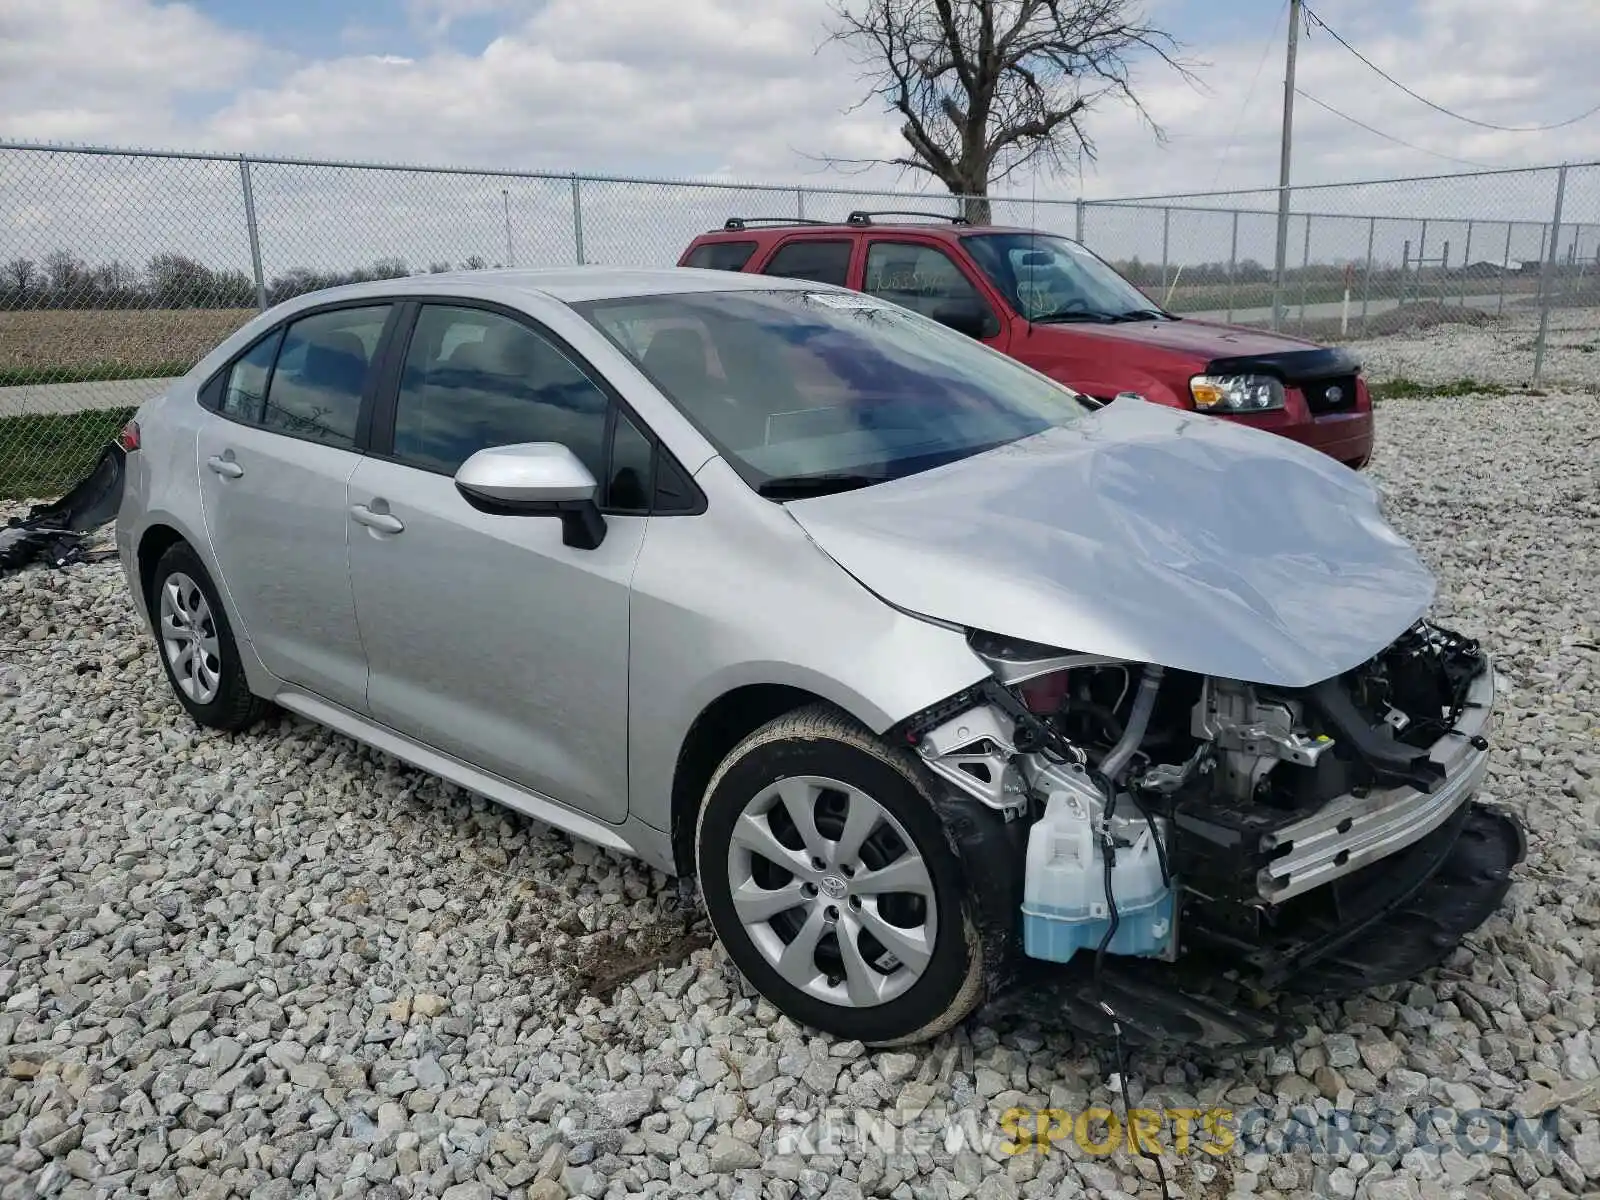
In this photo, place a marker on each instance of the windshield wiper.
(796, 487)
(1142, 314)
(1064, 316)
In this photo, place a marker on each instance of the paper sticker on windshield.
(848, 301)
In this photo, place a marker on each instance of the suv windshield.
(1049, 278)
(809, 392)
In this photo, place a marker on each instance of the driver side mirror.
(535, 479)
(969, 317)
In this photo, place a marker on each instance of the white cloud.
(111, 70)
(706, 86)
(749, 87)
(748, 90)
(1506, 61)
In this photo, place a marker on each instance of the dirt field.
(85, 342)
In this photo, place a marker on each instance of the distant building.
(1484, 269)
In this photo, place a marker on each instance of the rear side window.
(820, 262)
(721, 256)
(244, 390)
(315, 389)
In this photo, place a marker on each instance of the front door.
(923, 277)
(487, 637)
(274, 465)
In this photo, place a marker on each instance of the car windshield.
(806, 392)
(1048, 278)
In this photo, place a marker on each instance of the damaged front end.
(1320, 838)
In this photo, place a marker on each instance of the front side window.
(920, 277)
(1053, 279)
(321, 372)
(820, 262)
(474, 378)
(630, 478)
(810, 391)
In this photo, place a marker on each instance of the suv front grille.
(1330, 395)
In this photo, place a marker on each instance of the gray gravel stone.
(625, 1108)
(275, 964)
(729, 1154)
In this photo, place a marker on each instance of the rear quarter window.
(720, 256)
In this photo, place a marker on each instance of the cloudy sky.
(745, 89)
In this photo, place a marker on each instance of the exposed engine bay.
(1165, 815)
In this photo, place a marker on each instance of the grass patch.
(90, 372)
(42, 454)
(1410, 389)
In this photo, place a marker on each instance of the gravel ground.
(1501, 352)
(280, 964)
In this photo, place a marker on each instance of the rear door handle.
(226, 467)
(381, 521)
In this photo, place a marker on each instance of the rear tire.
(196, 645)
(831, 883)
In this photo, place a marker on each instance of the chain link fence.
(119, 269)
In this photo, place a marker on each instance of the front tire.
(196, 644)
(831, 884)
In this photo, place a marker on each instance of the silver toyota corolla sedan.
(940, 678)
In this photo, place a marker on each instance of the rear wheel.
(832, 886)
(198, 652)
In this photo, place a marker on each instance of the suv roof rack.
(864, 217)
(734, 223)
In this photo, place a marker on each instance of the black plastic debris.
(53, 533)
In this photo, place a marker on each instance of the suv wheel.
(832, 886)
(196, 644)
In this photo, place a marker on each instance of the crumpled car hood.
(1145, 533)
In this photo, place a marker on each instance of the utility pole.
(505, 198)
(1283, 166)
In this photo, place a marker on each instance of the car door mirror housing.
(535, 479)
(527, 473)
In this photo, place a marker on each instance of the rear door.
(922, 275)
(821, 258)
(274, 464)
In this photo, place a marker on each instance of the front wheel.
(829, 879)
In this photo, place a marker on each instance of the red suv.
(1048, 301)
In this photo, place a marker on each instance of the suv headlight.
(1236, 393)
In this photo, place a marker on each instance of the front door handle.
(381, 521)
(226, 467)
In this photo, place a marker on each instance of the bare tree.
(66, 272)
(17, 275)
(984, 87)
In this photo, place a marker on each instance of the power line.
(1238, 119)
(1334, 33)
(1465, 162)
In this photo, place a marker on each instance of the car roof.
(809, 229)
(569, 285)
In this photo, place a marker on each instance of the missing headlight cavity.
(1166, 815)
